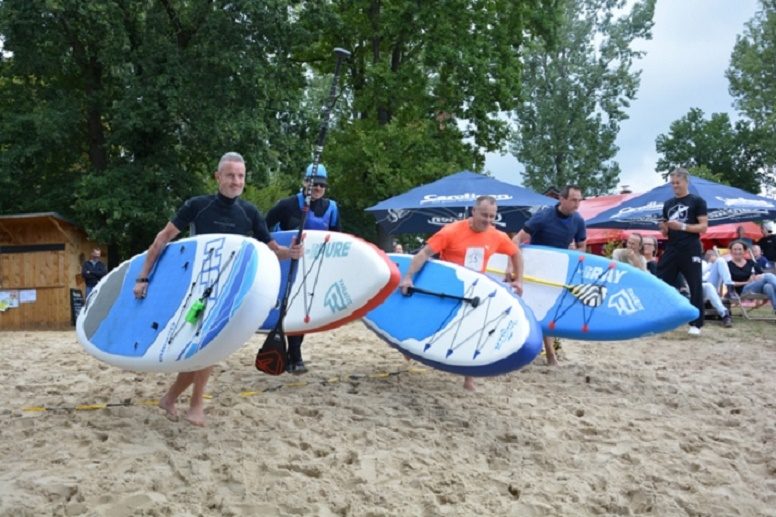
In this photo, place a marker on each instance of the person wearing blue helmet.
(287, 215)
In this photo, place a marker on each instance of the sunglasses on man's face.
(321, 185)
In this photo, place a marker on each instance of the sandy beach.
(668, 425)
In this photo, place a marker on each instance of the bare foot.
(552, 360)
(170, 410)
(468, 384)
(196, 416)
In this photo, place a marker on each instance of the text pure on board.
(336, 249)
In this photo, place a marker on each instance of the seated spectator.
(748, 277)
(649, 250)
(631, 253)
(716, 272)
(759, 258)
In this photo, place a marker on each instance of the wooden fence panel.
(45, 273)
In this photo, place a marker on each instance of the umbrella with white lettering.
(725, 205)
(425, 209)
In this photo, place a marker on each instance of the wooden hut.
(40, 271)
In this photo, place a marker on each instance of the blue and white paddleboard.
(562, 288)
(339, 278)
(495, 335)
(154, 334)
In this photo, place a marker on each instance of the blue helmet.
(320, 175)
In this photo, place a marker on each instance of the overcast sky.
(684, 67)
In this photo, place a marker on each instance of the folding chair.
(748, 304)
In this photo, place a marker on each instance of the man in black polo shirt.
(560, 226)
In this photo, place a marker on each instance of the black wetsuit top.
(216, 213)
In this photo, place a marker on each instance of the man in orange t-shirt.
(470, 243)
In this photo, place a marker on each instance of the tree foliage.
(714, 148)
(752, 77)
(577, 94)
(425, 83)
(115, 111)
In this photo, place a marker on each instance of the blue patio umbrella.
(725, 205)
(428, 207)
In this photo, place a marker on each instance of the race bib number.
(475, 259)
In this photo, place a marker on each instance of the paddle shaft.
(474, 302)
(541, 281)
(550, 283)
(591, 295)
(341, 54)
(272, 356)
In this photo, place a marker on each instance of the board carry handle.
(474, 302)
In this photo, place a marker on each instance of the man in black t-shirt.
(684, 220)
(223, 212)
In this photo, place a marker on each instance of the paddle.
(474, 302)
(272, 358)
(589, 294)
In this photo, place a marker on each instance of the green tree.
(577, 94)
(424, 86)
(752, 77)
(115, 111)
(714, 148)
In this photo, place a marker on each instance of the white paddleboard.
(340, 278)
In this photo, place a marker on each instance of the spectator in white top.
(632, 252)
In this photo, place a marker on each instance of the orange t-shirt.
(459, 244)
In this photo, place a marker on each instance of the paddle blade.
(589, 294)
(272, 358)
